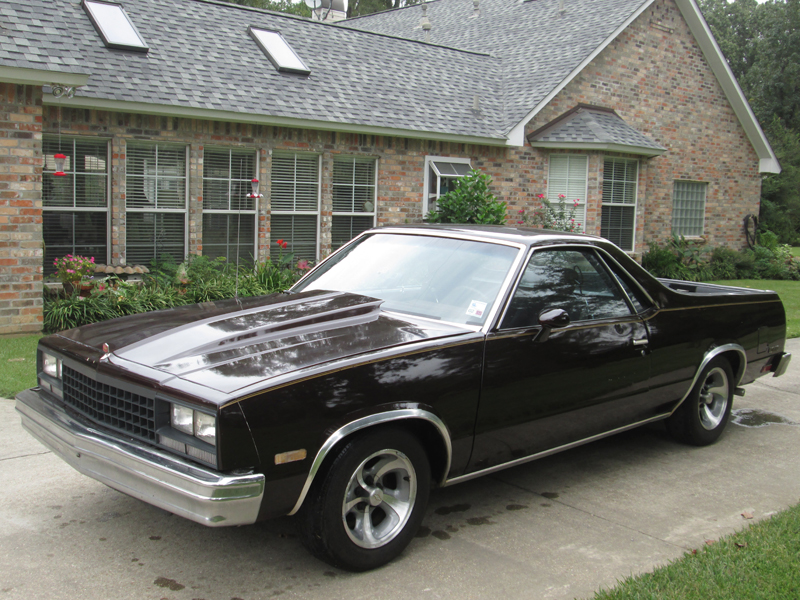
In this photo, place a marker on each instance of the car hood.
(231, 345)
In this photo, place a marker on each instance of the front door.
(546, 388)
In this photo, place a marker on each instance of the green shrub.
(470, 202)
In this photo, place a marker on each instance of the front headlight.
(182, 419)
(51, 365)
(205, 428)
(195, 423)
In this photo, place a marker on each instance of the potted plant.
(72, 270)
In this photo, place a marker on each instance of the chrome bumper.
(156, 477)
(782, 364)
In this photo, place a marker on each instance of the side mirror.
(549, 319)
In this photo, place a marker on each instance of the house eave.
(26, 76)
(620, 148)
(169, 110)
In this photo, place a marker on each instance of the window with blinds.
(688, 208)
(229, 216)
(618, 217)
(294, 196)
(75, 205)
(568, 177)
(155, 202)
(354, 198)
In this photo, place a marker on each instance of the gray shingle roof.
(511, 55)
(539, 46)
(202, 57)
(594, 127)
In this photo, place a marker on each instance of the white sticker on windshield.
(476, 308)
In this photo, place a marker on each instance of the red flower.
(279, 242)
(284, 244)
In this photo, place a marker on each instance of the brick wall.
(653, 75)
(20, 209)
(656, 78)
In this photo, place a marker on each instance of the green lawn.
(789, 291)
(761, 562)
(796, 251)
(17, 364)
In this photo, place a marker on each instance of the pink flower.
(540, 195)
(522, 211)
(520, 222)
(562, 196)
(91, 260)
(70, 271)
(576, 202)
(302, 265)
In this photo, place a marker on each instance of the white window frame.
(552, 194)
(229, 211)
(704, 184)
(154, 210)
(299, 212)
(427, 205)
(635, 204)
(70, 170)
(374, 186)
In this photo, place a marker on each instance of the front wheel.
(369, 502)
(704, 414)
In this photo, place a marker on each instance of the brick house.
(165, 109)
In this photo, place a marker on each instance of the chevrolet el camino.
(414, 357)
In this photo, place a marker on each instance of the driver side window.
(571, 279)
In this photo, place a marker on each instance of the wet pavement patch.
(423, 532)
(550, 495)
(442, 535)
(750, 417)
(168, 583)
(516, 507)
(446, 510)
(480, 521)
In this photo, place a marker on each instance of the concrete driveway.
(561, 527)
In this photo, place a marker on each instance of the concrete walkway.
(561, 527)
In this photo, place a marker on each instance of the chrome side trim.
(545, 453)
(181, 487)
(711, 355)
(377, 419)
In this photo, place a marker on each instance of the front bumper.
(169, 482)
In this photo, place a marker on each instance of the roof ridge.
(383, 12)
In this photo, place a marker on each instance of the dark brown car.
(413, 357)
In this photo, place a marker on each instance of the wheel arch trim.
(403, 414)
(711, 355)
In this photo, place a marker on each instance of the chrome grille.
(113, 407)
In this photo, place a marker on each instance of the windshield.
(434, 277)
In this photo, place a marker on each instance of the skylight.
(114, 26)
(278, 51)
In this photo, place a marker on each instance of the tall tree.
(761, 43)
(284, 6)
(357, 8)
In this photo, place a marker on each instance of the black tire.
(702, 417)
(349, 522)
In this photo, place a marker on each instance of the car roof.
(521, 235)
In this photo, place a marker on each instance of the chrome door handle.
(640, 342)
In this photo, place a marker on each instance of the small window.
(354, 198)
(567, 182)
(155, 202)
(229, 216)
(440, 177)
(278, 51)
(572, 280)
(688, 208)
(618, 219)
(114, 25)
(294, 200)
(75, 205)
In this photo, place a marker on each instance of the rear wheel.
(367, 506)
(702, 417)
